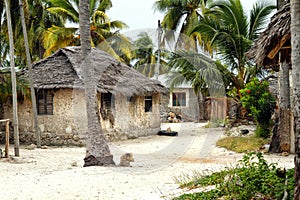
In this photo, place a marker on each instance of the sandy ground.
(57, 173)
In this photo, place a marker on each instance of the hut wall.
(130, 118)
(67, 125)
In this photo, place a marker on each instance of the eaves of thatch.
(276, 37)
(64, 69)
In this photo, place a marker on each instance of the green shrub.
(257, 99)
(252, 178)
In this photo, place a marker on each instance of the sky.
(139, 14)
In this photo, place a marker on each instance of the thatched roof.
(277, 36)
(63, 69)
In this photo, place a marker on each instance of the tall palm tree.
(97, 150)
(101, 27)
(33, 99)
(231, 32)
(13, 79)
(295, 41)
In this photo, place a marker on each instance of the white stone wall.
(68, 123)
(131, 120)
(190, 111)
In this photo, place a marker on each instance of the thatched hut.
(275, 39)
(272, 50)
(128, 102)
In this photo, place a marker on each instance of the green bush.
(253, 178)
(257, 99)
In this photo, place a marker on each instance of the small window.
(107, 100)
(179, 99)
(148, 103)
(45, 102)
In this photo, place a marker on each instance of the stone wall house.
(182, 100)
(128, 102)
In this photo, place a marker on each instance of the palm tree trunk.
(13, 79)
(97, 149)
(33, 100)
(295, 56)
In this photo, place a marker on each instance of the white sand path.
(41, 174)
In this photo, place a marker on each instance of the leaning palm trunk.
(33, 100)
(13, 80)
(97, 150)
(295, 42)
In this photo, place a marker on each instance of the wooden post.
(6, 138)
(6, 121)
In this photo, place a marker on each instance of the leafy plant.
(252, 178)
(257, 98)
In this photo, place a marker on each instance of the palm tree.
(100, 26)
(97, 150)
(33, 99)
(37, 21)
(146, 57)
(231, 33)
(295, 41)
(13, 80)
(183, 16)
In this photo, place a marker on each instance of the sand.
(57, 172)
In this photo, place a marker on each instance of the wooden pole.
(6, 138)
(6, 121)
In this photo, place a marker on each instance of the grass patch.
(252, 178)
(242, 144)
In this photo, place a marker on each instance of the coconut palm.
(101, 27)
(29, 65)
(37, 21)
(13, 80)
(97, 150)
(183, 16)
(295, 41)
(231, 32)
(146, 57)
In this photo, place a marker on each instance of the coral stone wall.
(67, 125)
(131, 120)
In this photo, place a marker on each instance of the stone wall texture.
(67, 125)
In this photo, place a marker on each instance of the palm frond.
(259, 15)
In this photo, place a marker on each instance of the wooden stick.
(6, 138)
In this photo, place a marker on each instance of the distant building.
(181, 100)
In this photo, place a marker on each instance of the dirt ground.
(57, 172)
